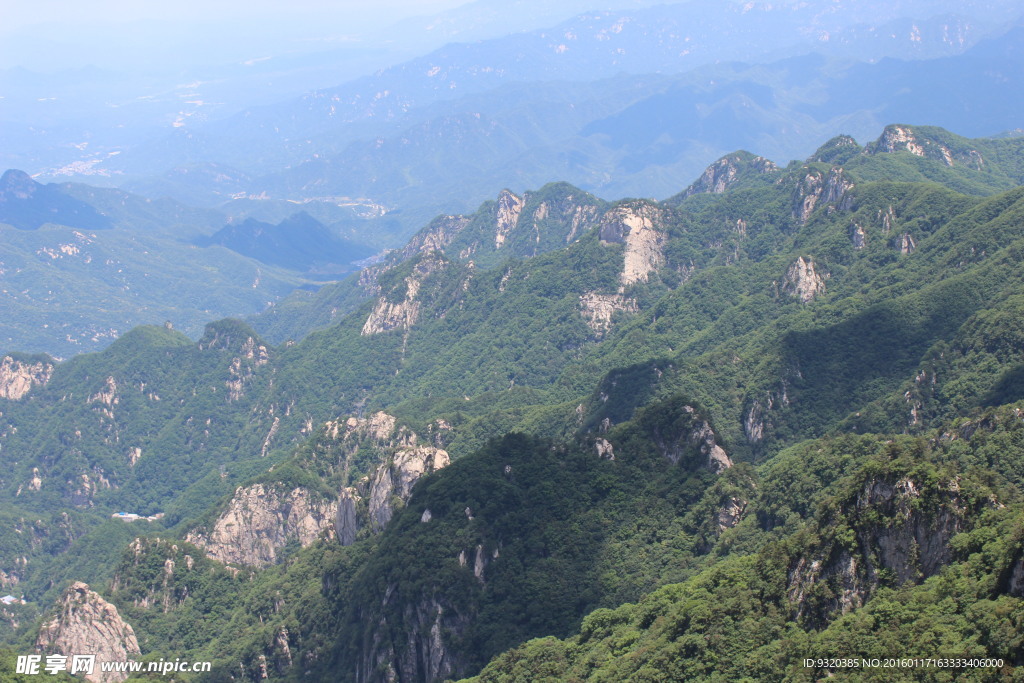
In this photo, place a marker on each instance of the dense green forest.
(776, 417)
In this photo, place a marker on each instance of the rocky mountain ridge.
(17, 376)
(260, 522)
(395, 468)
(85, 623)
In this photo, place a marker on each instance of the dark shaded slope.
(300, 243)
(28, 205)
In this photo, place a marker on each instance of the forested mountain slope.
(762, 414)
(80, 266)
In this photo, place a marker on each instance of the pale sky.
(17, 14)
(43, 35)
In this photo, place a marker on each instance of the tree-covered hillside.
(695, 438)
(81, 266)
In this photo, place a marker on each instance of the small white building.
(125, 516)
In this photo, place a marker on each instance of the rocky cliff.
(372, 503)
(726, 172)
(524, 226)
(599, 309)
(420, 654)
(251, 356)
(803, 280)
(85, 623)
(690, 437)
(568, 214)
(639, 227)
(17, 377)
(399, 310)
(260, 520)
(817, 189)
(900, 532)
(441, 232)
(506, 216)
(924, 142)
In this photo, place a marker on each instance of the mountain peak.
(300, 242)
(837, 150)
(17, 184)
(929, 142)
(726, 172)
(229, 334)
(28, 205)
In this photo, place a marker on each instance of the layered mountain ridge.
(80, 266)
(769, 410)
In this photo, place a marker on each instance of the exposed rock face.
(578, 214)
(107, 395)
(390, 315)
(898, 138)
(506, 216)
(281, 651)
(895, 138)
(755, 422)
(479, 563)
(815, 189)
(368, 281)
(730, 513)
(424, 656)
(436, 237)
(605, 450)
(803, 281)
(18, 378)
(380, 427)
(697, 436)
(858, 237)
(717, 459)
(371, 502)
(379, 431)
(842, 575)
(392, 480)
(929, 533)
(398, 478)
(85, 623)
(725, 172)
(887, 219)
(1015, 584)
(638, 226)
(347, 523)
(252, 355)
(598, 309)
(260, 520)
(36, 482)
(898, 529)
(905, 243)
(527, 225)
(87, 486)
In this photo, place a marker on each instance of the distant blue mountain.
(29, 205)
(668, 39)
(299, 242)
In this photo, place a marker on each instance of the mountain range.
(80, 265)
(776, 415)
(438, 133)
